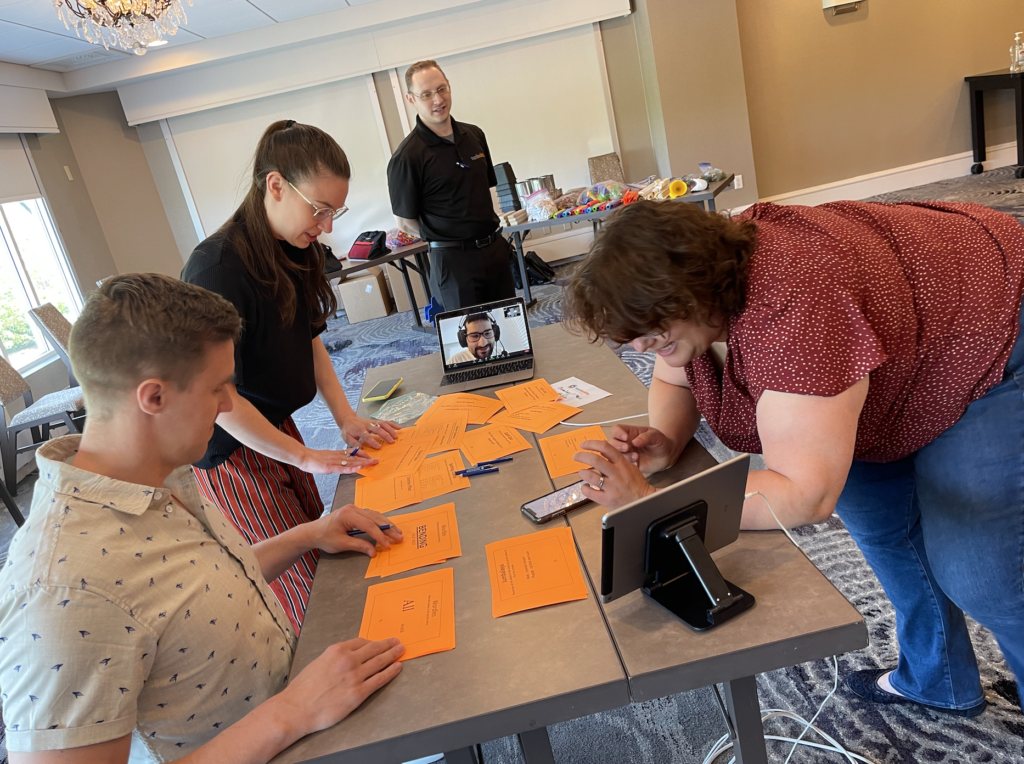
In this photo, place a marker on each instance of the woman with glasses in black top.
(267, 260)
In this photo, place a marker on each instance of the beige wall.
(832, 98)
(120, 183)
(158, 155)
(694, 51)
(625, 82)
(71, 207)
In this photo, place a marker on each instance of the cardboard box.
(365, 295)
(398, 290)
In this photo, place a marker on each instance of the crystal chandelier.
(128, 24)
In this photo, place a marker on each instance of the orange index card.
(559, 450)
(534, 570)
(522, 397)
(429, 536)
(419, 611)
(539, 418)
(400, 458)
(492, 442)
(388, 493)
(445, 434)
(437, 475)
(478, 408)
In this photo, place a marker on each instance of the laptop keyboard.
(458, 377)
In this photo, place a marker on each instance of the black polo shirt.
(444, 185)
(273, 361)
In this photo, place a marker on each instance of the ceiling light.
(129, 24)
(157, 43)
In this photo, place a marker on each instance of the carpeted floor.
(680, 729)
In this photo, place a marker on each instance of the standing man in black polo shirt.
(440, 179)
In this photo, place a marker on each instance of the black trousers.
(463, 277)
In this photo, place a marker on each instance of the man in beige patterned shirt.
(135, 622)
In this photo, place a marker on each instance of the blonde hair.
(139, 326)
(421, 66)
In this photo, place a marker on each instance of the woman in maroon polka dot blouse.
(869, 352)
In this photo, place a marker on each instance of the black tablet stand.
(682, 577)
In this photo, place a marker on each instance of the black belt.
(467, 243)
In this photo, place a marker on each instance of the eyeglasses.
(476, 336)
(426, 95)
(321, 213)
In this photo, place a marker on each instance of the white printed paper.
(576, 392)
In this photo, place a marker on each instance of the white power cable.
(723, 744)
(610, 421)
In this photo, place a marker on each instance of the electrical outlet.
(737, 182)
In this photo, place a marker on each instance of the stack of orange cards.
(444, 432)
(492, 442)
(419, 611)
(559, 450)
(402, 457)
(478, 408)
(534, 570)
(538, 418)
(428, 537)
(437, 476)
(522, 397)
(390, 492)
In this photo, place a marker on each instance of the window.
(33, 270)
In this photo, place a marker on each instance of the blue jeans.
(943, 529)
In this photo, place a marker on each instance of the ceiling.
(31, 33)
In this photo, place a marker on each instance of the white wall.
(216, 147)
(540, 102)
(505, 90)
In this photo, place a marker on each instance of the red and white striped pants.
(264, 497)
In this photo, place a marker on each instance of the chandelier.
(128, 24)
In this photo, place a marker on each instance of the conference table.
(520, 673)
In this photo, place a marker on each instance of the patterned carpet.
(681, 729)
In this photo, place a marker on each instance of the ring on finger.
(600, 485)
(344, 462)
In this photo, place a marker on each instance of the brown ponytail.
(298, 152)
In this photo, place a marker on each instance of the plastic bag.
(405, 408)
(568, 200)
(709, 173)
(539, 206)
(606, 191)
(396, 238)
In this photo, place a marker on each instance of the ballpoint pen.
(359, 532)
(489, 462)
(477, 470)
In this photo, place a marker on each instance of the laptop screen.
(481, 334)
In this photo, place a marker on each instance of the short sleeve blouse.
(922, 297)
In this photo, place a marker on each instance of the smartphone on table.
(556, 503)
(382, 390)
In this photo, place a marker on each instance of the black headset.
(462, 329)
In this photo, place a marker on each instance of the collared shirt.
(444, 185)
(132, 609)
(922, 297)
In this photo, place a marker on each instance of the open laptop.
(484, 345)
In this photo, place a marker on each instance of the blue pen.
(499, 460)
(354, 451)
(358, 532)
(487, 469)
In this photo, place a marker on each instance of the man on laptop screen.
(480, 336)
(485, 342)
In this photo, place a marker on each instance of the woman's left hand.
(372, 433)
(612, 478)
(333, 536)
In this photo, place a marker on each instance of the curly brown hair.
(656, 262)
